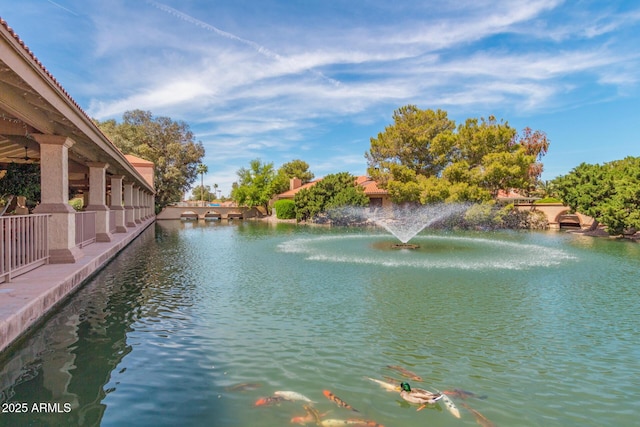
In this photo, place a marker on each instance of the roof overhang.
(33, 102)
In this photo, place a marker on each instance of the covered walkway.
(46, 253)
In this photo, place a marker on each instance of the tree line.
(421, 157)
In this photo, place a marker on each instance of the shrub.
(285, 209)
(548, 200)
(76, 204)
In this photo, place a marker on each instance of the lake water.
(543, 328)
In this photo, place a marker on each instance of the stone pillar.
(143, 205)
(128, 205)
(97, 199)
(136, 205)
(147, 211)
(54, 187)
(116, 203)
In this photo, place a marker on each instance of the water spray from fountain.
(406, 221)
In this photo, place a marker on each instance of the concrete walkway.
(29, 297)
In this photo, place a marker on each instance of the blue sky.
(315, 80)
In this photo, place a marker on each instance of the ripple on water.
(435, 252)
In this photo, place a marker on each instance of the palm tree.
(202, 169)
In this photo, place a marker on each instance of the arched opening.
(189, 216)
(568, 220)
(212, 216)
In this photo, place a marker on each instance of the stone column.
(54, 187)
(152, 207)
(143, 205)
(147, 211)
(97, 199)
(136, 205)
(116, 203)
(128, 205)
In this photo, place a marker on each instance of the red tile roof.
(370, 187)
(290, 194)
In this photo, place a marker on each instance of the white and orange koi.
(271, 400)
(451, 407)
(385, 385)
(292, 395)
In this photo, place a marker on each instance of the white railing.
(24, 244)
(85, 228)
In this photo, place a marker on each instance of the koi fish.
(312, 416)
(243, 387)
(391, 379)
(364, 423)
(385, 385)
(332, 422)
(451, 407)
(292, 395)
(405, 373)
(332, 397)
(480, 419)
(462, 394)
(271, 400)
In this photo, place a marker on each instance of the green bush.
(76, 204)
(285, 209)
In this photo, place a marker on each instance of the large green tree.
(333, 191)
(423, 158)
(610, 193)
(419, 142)
(201, 193)
(254, 187)
(169, 144)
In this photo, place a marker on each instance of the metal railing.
(24, 244)
(85, 228)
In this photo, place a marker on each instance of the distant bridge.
(209, 212)
(557, 214)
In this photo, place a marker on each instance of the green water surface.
(541, 327)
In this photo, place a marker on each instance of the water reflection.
(71, 358)
(164, 334)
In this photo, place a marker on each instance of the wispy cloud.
(277, 83)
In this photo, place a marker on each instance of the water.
(544, 325)
(405, 222)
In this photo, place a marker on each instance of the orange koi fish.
(364, 423)
(481, 420)
(271, 400)
(405, 373)
(332, 397)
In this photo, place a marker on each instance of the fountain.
(406, 221)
